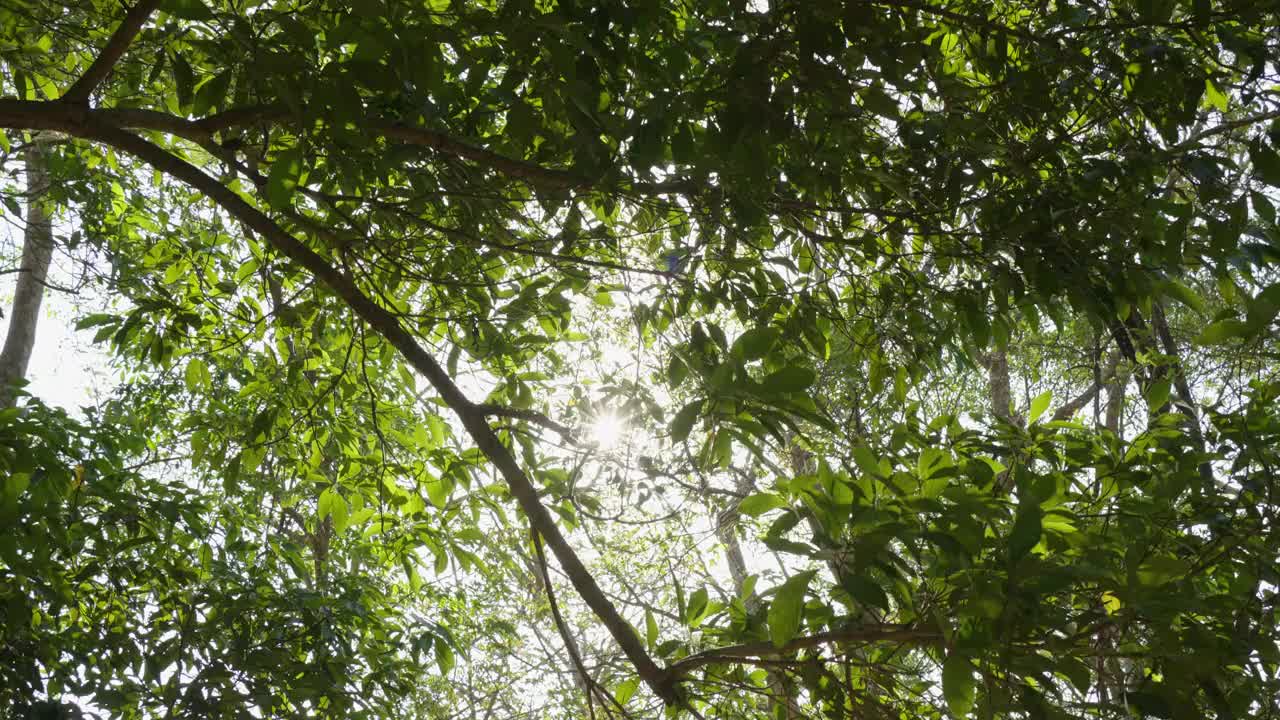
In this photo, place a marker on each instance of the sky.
(66, 369)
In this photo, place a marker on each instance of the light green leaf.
(867, 461)
(760, 503)
(1158, 393)
(1038, 405)
(438, 490)
(787, 608)
(650, 628)
(1215, 96)
(197, 375)
(1185, 295)
(697, 607)
(626, 689)
(1223, 331)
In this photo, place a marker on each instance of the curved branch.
(85, 124)
(203, 130)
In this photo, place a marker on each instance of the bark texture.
(37, 252)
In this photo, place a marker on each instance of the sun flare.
(607, 430)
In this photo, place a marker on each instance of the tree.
(381, 265)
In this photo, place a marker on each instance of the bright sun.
(607, 430)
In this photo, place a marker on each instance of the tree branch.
(120, 40)
(752, 651)
(85, 124)
(1068, 410)
(203, 129)
(532, 416)
(1225, 127)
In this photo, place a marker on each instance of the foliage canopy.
(929, 346)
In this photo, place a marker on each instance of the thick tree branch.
(204, 129)
(85, 124)
(115, 48)
(750, 651)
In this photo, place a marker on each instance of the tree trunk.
(997, 365)
(1115, 398)
(781, 697)
(37, 251)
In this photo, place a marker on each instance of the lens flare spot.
(607, 430)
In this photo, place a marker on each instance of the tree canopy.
(718, 359)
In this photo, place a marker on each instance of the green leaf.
(283, 179)
(756, 342)
(626, 689)
(1038, 405)
(187, 9)
(865, 591)
(867, 461)
(438, 490)
(197, 375)
(211, 94)
(1266, 162)
(792, 378)
(444, 657)
(324, 505)
(339, 511)
(682, 424)
(959, 685)
(1215, 96)
(697, 607)
(183, 80)
(1162, 569)
(760, 503)
(787, 608)
(650, 628)
(1026, 531)
(1158, 393)
(677, 371)
(1185, 295)
(1223, 331)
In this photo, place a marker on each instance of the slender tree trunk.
(780, 694)
(1187, 405)
(1115, 398)
(997, 364)
(37, 251)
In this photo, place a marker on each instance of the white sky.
(66, 369)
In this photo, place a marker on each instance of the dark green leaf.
(1026, 530)
(959, 685)
(682, 424)
(789, 379)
